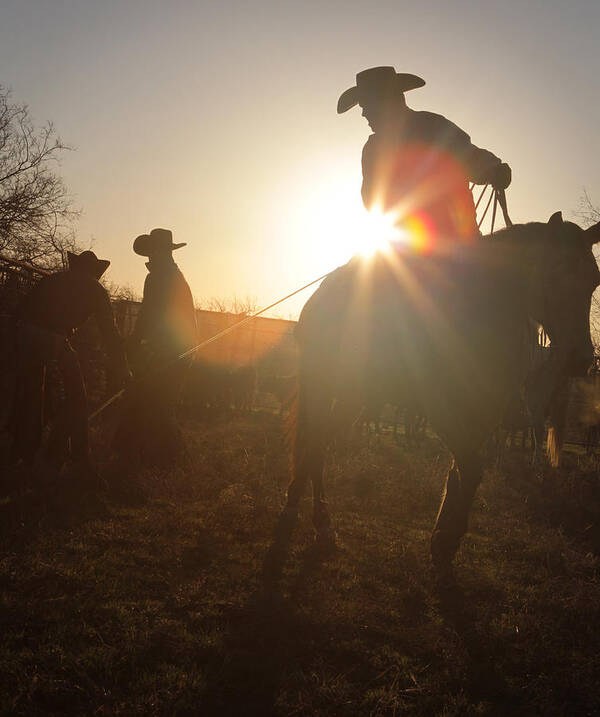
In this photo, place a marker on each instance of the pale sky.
(218, 120)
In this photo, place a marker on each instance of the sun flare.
(339, 227)
(376, 231)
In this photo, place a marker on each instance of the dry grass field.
(150, 601)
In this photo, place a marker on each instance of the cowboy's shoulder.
(76, 283)
(96, 291)
(155, 277)
(437, 125)
(86, 290)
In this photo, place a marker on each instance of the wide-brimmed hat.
(159, 240)
(88, 262)
(377, 82)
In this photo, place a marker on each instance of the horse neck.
(517, 255)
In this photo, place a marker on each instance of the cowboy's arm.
(483, 167)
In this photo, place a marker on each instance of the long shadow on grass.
(264, 641)
(567, 498)
(311, 559)
(459, 609)
(24, 514)
(31, 506)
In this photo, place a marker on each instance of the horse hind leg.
(325, 533)
(308, 431)
(452, 520)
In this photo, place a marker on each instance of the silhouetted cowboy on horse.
(419, 164)
(448, 334)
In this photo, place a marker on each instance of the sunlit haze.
(218, 120)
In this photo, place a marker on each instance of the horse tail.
(558, 422)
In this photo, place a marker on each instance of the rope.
(501, 194)
(481, 196)
(494, 212)
(487, 206)
(204, 343)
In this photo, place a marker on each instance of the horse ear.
(593, 233)
(556, 219)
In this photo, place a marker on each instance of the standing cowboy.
(419, 164)
(167, 319)
(48, 315)
(165, 328)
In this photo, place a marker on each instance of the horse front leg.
(309, 464)
(452, 520)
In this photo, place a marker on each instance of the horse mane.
(518, 232)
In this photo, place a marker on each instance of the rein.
(499, 197)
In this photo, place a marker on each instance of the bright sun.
(334, 218)
(375, 231)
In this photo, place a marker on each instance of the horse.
(451, 325)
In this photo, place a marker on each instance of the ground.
(150, 600)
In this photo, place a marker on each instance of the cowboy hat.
(159, 240)
(88, 262)
(377, 81)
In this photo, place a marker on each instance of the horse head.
(567, 276)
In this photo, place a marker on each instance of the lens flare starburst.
(377, 232)
(332, 224)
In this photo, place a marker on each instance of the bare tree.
(36, 211)
(120, 292)
(589, 214)
(233, 305)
